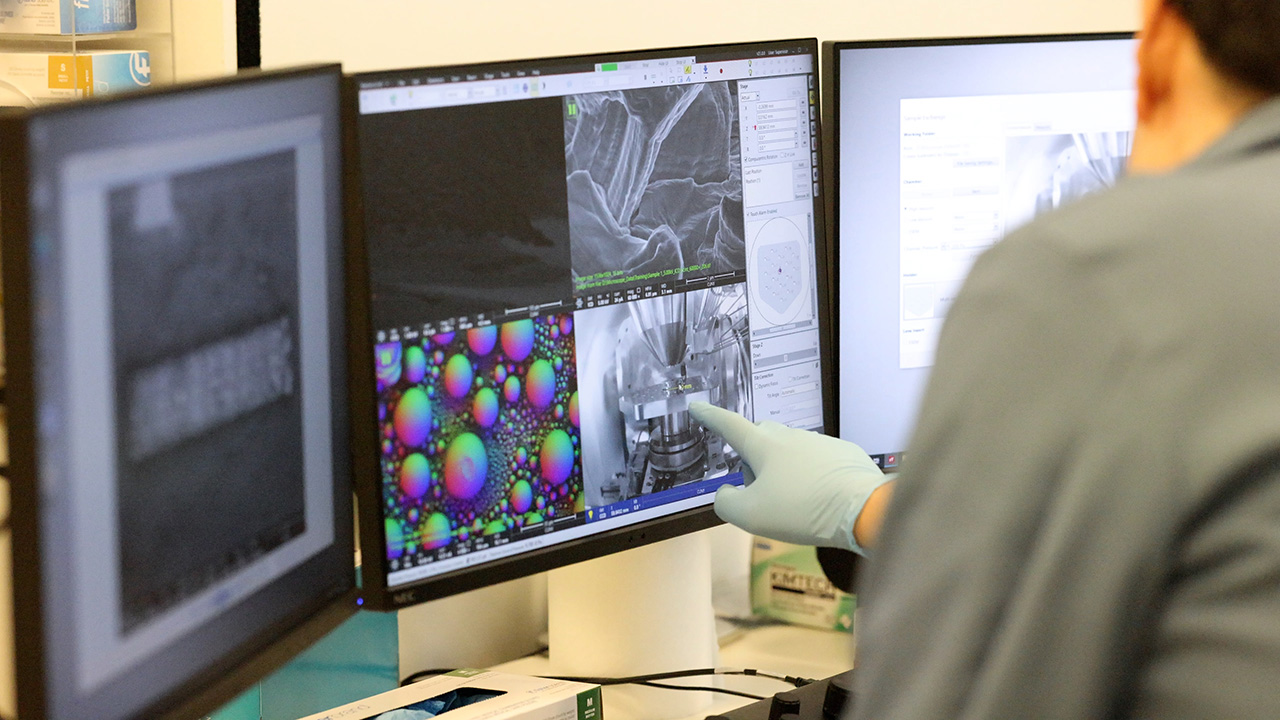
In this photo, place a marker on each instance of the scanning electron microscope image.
(655, 185)
(1049, 171)
(640, 365)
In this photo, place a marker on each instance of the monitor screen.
(563, 254)
(177, 390)
(942, 147)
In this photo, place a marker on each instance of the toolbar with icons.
(444, 90)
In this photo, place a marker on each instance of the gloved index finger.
(735, 429)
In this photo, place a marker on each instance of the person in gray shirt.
(1089, 523)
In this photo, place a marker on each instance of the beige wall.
(378, 34)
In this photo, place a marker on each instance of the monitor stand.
(646, 610)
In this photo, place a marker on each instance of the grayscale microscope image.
(655, 184)
(640, 365)
(207, 364)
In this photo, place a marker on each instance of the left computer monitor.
(174, 284)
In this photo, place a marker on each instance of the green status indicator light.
(608, 67)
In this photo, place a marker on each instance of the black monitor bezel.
(831, 50)
(376, 593)
(269, 648)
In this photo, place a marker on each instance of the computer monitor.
(564, 253)
(941, 147)
(177, 391)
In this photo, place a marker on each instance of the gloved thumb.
(733, 505)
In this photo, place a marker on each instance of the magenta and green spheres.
(485, 407)
(458, 375)
(413, 417)
(466, 466)
(517, 339)
(415, 476)
(540, 384)
(556, 457)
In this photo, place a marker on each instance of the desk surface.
(780, 649)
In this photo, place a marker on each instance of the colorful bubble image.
(466, 466)
(395, 538)
(573, 409)
(521, 497)
(518, 338)
(436, 531)
(477, 437)
(415, 364)
(485, 407)
(413, 417)
(457, 375)
(556, 457)
(540, 383)
(511, 389)
(482, 339)
(386, 362)
(415, 476)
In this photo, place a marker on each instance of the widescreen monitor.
(174, 300)
(563, 254)
(941, 147)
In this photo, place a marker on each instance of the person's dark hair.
(1240, 37)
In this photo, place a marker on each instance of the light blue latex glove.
(802, 487)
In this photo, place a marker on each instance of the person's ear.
(1157, 53)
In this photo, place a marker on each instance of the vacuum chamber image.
(640, 365)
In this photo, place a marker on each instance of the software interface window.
(943, 150)
(975, 168)
(598, 246)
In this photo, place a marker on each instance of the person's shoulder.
(1096, 223)
(1176, 207)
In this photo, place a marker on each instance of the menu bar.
(430, 91)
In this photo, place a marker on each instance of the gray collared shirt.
(1089, 523)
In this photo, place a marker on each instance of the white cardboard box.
(63, 17)
(44, 76)
(521, 698)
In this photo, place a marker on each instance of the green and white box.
(45, 76)
(64, 17)
(788, 584)
(514, 697)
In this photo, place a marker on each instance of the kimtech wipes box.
(787, 583)
(64, 17)
(45, 76)
(477, 695)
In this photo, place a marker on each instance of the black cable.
(649, 679)
(700, 688)
(792, 679)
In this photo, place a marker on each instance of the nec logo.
(403, 597)
(139, 68)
